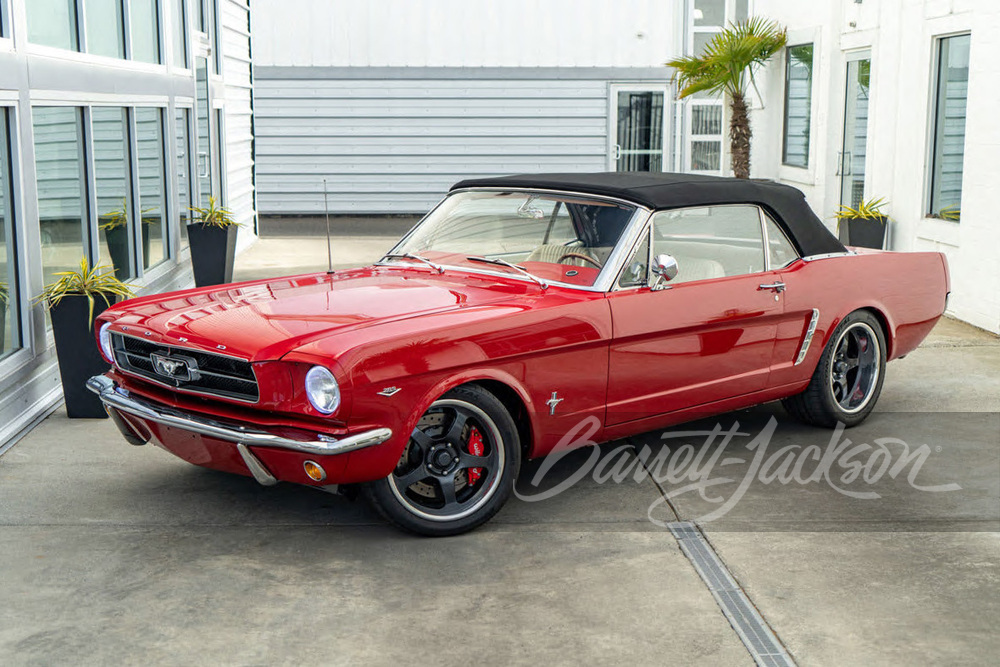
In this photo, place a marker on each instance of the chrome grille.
(185, 369)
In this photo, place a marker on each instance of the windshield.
(560, 239)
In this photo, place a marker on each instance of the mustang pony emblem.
(175, 368)
(554, 402)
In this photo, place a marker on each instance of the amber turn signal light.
(314, 470)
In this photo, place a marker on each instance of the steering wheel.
(580, 255)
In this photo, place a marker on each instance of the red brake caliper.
(476, 448)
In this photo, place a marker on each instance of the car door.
(704, 336)
(805, 300)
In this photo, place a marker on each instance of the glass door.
(855, 146)
(639, 118)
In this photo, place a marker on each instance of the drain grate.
(760, 641)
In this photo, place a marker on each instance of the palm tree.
(727, 66)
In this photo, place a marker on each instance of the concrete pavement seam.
(746, 620)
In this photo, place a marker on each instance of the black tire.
(840, 392)
(435, 490)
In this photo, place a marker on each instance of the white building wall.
(393, 101)
(901, 35)
(466, 33)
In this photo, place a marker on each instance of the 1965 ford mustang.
(516, 309)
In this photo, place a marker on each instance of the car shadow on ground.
(750, 470)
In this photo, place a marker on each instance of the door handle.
(618, 152)
(777, 287)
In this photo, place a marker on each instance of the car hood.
(264, 320)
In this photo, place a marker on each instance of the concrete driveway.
(112, 554)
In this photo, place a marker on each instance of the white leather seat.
(691, 268)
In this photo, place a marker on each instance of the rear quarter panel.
(907, 290)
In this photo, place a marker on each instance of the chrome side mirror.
(664, 267)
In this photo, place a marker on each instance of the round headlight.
(322, 390)
(104, 336)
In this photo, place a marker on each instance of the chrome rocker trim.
(112, 397)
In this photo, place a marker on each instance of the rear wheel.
(457, 470)
(848, 379)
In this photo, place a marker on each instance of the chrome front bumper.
(115, 397)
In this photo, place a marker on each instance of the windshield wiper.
(503, 262)
(409, 255)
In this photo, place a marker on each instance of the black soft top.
(787, 205)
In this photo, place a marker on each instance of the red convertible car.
(517, 308)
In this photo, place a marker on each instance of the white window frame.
(167, 32)
(6, 27)
(12, 363)
(932, 118)
(810, 175)
(169, 247)
(784, 107)
(173, 182)
(81, 55)
(691, 137)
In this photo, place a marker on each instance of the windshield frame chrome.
(609, 272)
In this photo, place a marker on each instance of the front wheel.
(848, 379)
(457, 470)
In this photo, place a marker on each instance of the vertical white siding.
(234, 38)
(395, 146)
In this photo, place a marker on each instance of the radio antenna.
(329, 251)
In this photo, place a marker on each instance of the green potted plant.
(73, 301)
(212, 234)
(114, 224)
(951, 213)
(864, 226)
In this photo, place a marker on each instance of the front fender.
(402, 410)
(548, 342)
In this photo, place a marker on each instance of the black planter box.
(79, 358)
(863, 232)
(213, 250)
(118, 249)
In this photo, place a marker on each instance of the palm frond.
(729, 61)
